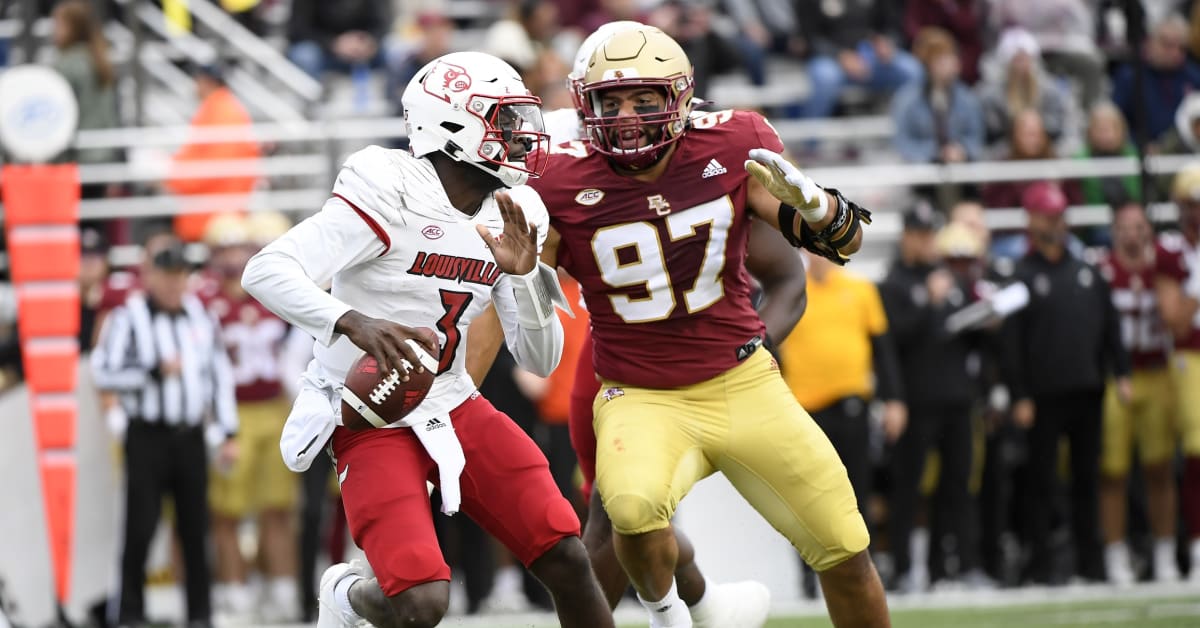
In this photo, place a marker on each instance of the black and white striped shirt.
(137, 338)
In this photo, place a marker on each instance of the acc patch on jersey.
(590, 196)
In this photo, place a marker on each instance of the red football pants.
(506, 488)
(583, 434)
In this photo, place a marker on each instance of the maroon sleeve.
(1169, 264)
(766, 134)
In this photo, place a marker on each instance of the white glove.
(785, 182)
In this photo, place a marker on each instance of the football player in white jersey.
(401, 240)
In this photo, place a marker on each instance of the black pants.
(312, 523)
(948, 426)
(1078, 417)
(846, 423)
(162, 460)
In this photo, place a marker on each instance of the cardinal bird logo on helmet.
(445, 79)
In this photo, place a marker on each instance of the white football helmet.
(587, 49)
(474, 108)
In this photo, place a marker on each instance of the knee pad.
(635, 514)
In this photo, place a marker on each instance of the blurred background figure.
(1146, 292)
(1170, 75)
(219, 107)
(93, 274)
(1107, 136)
(337, 35)
(83, 59)
(1027, 140)
(258, 485)
(425, 39)
(1065, 31)
(852, 42)
(938, 119)
(1186, 194)
(919, 294)
(1020, 83)
(836, 361)
(166, 392)
(1060, 351)
(965, 20)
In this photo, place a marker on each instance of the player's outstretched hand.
(386, 341)
(783, 180)
(516, 249)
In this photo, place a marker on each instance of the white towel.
(441, 443)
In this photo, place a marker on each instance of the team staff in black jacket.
(1060, 350)
(918, 295)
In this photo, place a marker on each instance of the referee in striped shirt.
(162, 353)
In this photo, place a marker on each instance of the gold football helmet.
(636, 57)
(228, 229)
(265, 226)
(1186, 185)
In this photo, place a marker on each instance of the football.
(373, 399)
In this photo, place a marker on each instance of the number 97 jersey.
(662, 264)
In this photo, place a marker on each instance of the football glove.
(785, 182)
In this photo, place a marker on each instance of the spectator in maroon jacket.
(964, 19)
(1028, 140)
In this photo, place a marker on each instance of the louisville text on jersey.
(455, 268)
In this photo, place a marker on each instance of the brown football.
(372, 399)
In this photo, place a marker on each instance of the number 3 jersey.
(394, 248)
(661, 264)
(1133, 293)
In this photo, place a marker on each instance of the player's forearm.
(855, 242)
(225, 400)
(119, 380)
(784, 304)
(537, 342)
(483, 344)
(538, 350)
(279, 282)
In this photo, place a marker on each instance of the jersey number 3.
(455, 305)
(643, 267)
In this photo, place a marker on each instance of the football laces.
(384, 389)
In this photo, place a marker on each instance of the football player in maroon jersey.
(648, 217)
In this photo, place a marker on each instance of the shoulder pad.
(376, 179)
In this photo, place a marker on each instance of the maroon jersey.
(254, 337)
(1189, 254)
(662, 265)
(1142, 329)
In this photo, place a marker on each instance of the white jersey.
(563, 125)
(396, 249)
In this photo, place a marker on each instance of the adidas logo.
(713, 169)
(434, 424)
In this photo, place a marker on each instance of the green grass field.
(1150, 613)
